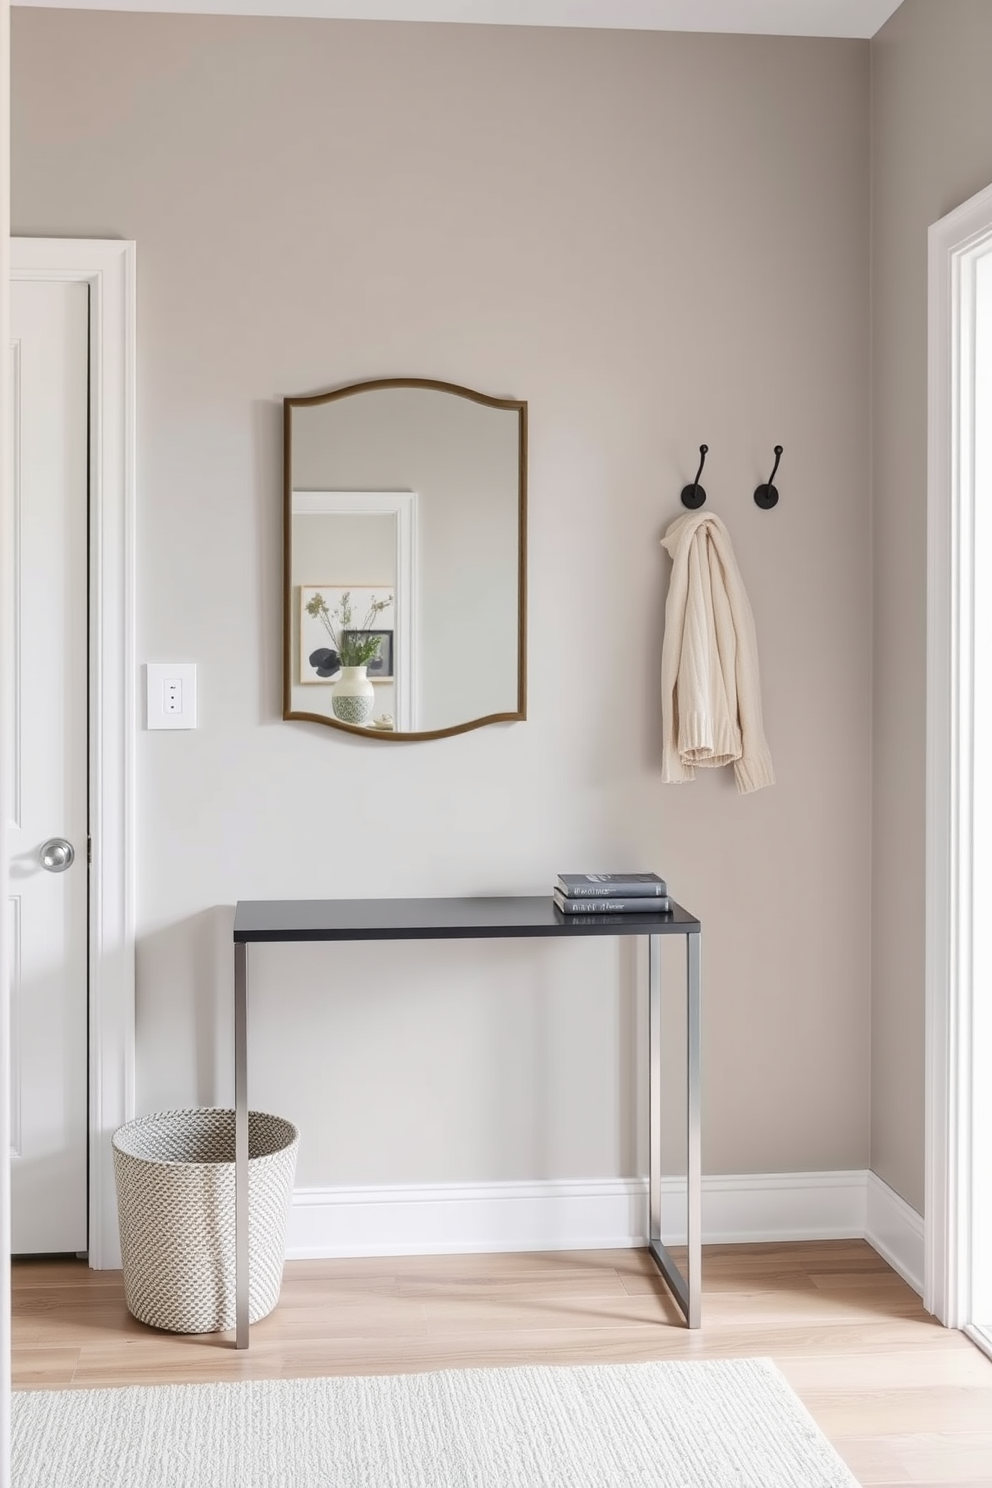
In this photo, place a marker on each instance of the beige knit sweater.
(710, 691)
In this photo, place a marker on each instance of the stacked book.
(612, 893)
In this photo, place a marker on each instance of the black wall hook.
(694, 495)
(766, 496)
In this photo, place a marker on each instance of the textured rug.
(707, 1424)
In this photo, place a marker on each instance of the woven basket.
(175, 1204)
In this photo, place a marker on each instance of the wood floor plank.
(718, 1280)
(390, 1318)
(312, 1291)
(878, 1282)
(872, 1460)
(49, 1368)
(945, 1456)
(812, 1255)
(793, 1305)
(901, 1369)
(907, 1403)
(470, 1314)
(937, 1410)
(501, 1263)
(49, 1274)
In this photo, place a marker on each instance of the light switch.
(170, 699)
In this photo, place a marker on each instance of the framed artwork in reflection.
(319, 659)
(380, 668)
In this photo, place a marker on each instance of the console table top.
(440, 919)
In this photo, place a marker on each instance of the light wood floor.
(903, 1400)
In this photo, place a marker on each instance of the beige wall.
(656, 240)
(931, 150)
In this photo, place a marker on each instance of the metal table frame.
(284, 920)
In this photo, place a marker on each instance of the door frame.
(108, 268)
(956, 245)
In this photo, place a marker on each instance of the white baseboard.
(434, 1218)
(895, 1230)
(608, 1213)
(752, 1207)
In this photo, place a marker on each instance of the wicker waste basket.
(175, 1204)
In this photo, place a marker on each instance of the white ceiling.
(859, 18)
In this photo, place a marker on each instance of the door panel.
(48, 909)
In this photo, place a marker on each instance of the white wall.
(656, 240)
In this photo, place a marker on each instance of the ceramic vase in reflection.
(353, 696)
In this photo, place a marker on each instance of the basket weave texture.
(175, 1205)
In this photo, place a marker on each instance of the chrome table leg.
(241, 1143)
(694, 1216)
(687, 1288)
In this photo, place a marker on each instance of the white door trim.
(108, 267)
(956, 244)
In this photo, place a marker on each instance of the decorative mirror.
(405, 559)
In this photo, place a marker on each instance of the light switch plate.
(170, 696)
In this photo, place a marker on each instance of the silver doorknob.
(57, 855)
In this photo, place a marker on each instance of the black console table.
(258, 920)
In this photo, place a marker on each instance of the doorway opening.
(958, 1282)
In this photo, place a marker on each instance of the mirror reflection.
(405, 558)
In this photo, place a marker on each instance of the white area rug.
(707, 1424)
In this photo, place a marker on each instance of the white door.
(50, 333)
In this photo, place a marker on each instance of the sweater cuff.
(703, 742)
(754, 772)
(674, 771)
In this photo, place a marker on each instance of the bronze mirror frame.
(311, 401)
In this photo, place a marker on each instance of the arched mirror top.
(405, 558)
